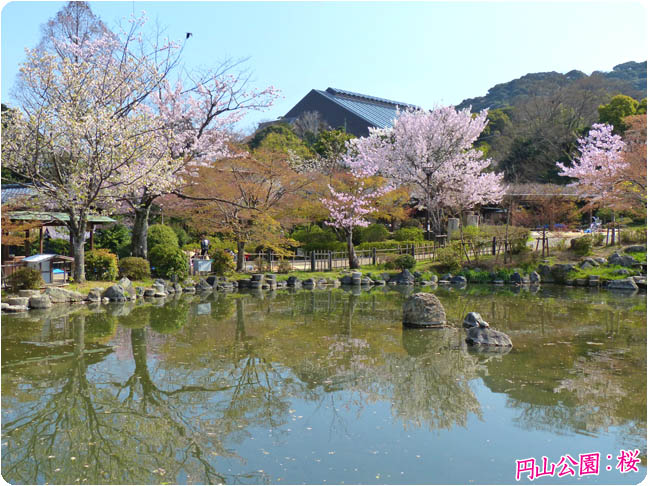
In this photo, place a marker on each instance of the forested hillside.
(535, 121)
(628, 78)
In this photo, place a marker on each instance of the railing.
(323, 261)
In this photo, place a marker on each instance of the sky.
(423, 53)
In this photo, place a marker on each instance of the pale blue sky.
(425, 53)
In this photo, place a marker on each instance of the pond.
(325, 387)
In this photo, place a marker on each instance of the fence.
(322, 261)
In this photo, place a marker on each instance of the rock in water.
(474, 319)
(423, 310)
(627, 284)
(485, 336)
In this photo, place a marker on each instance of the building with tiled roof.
(353, 112)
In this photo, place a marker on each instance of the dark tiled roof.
(379, 112)
(14, 191)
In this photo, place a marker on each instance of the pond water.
(323, 387)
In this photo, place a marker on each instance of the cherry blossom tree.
(200, 118)
(101, 124)
(432, 153)
(349, 208)
(600, 165)
(82, 130)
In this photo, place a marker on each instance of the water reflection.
(152, 392)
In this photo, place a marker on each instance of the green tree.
(616, 110)
(279, 138)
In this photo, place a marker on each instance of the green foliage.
(409, 234)
(279, 138)
(374, 232)
(222, 262)
(183, 237)
(604, 272)
(388, 244)
(134, 268)
(25, 278)
(101, 264)
(314, 238)
(616, 110)
(582, 246)
(597, 239)
(168, 261)
(331, 143)
(477, 276)
(116, 238)
(58, 246)
(160, 234)
(450, 256)
(641, 107)
(403, 262)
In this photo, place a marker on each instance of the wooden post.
(40, 239)
(92, 226)
(494, 248)
(373, 256)
(312, 257)
(330, 260)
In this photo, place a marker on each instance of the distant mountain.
(628, 78)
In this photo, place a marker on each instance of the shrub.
(408, 234)
(314, 238)
(25, 278)
(160, 234)
(101, 264)
(116, 238)
(181, 234)
(389, 262)
(477, 276)
(222, 262)
(58, 246)
(374, 232)
(450, 256)
(582, 246)
(134, 268)
(168, 261)
(597, 239)
(403, 262)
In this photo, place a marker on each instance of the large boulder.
(127, 285)
(403, 278)
(40, 302)
(519, 279)
(535, 278)
(22, 301)
(28, 292)
(459, 280)
(203, 286)
(115, 293)
(474, 319)
(623, 284)
(545, 273)
(635, 249)
(485, 336)
(344, 280)
(57, 295)
(640, 280)
(624, 260)
(560, 270)
(423, 310)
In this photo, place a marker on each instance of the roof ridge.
(351, 94)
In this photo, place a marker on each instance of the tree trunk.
(77, 241)
(139, 247)
(240, 256)
(353, 259)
